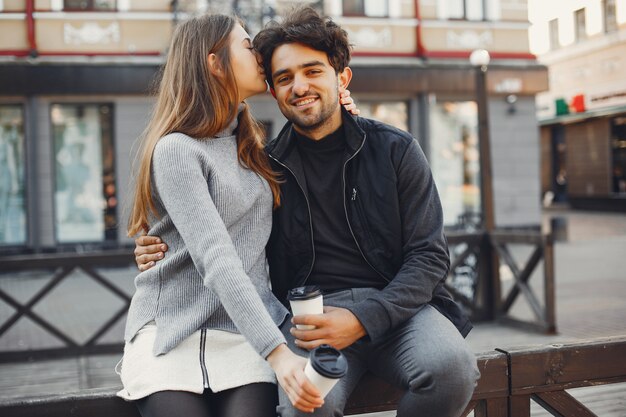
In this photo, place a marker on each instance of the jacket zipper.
(306, 198)
(205, 373)
(345, 208)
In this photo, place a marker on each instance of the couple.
(355, 211)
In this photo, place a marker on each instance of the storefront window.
(610, 16)
(580, 29)
(370, 8)
(454, 159)
(553, 27)
(85, 196)
(618, 142)
(394, 113)
(95, 5)
(12, 189)
(466, 9)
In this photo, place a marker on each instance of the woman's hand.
(148, 250)
(346, 100)
(289, 369)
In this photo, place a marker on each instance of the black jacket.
(393, 211)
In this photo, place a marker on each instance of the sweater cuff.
(373, 316)
(269, 348)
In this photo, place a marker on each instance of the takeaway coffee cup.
(324, 368)
(306, 300)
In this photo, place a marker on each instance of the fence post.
(548, 282)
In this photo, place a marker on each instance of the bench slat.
(565, 366)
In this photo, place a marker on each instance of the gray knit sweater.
(215, 216)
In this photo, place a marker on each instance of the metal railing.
(474, 279)
(60, 267)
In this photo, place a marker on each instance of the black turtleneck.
(338, 262)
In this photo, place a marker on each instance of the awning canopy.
(580, 117)
(372, 75)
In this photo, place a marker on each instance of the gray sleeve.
(178, 169)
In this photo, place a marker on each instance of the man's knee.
(452, 373)
(443, 388)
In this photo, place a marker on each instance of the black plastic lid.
(328, 361)
(304, 293)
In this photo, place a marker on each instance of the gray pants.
(426, 356)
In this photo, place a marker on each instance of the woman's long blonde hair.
(193, 101)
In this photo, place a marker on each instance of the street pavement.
(590, 268)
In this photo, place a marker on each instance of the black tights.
(253, 400)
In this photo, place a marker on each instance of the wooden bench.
(509, 380)
(372, 394)
(543, 374)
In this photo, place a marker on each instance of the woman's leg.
(174, 403)
(253, 400)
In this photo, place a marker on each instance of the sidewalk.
(591, 302)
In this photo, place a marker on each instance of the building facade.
(75, 78)
(583, 115)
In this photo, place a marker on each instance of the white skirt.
(213, 359)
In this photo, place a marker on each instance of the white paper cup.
(326, 365)
(306, 300)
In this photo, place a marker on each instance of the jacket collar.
(282, 146)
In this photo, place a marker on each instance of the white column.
(201, 6)
(494, 10)
(395, 8)
(442, 10)
(1, 5)
(474, 9)
(374, 8)
(333, 8)
(123, 5)
(56, 5)
(620, 11)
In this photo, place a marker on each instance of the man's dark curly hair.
(304, 25)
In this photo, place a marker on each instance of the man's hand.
(337, 327)
(148, 250)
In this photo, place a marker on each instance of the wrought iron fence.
(59, 267)
(474, 280)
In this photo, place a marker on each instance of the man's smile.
(304, 102)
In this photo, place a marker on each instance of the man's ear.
(344, 77)
(214, 65)
(273, 92)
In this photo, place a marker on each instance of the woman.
(203, 320)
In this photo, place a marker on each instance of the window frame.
(363, 8)
(110, 237)
(439, 99)
(614, 150)
(368, 103)
(465, 16)
(90, 7)
(553, 34)
(580, 25)
(606, 4)
(9, 247)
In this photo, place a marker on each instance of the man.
(361, 218)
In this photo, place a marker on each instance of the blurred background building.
(583, 115)
(75, 78)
